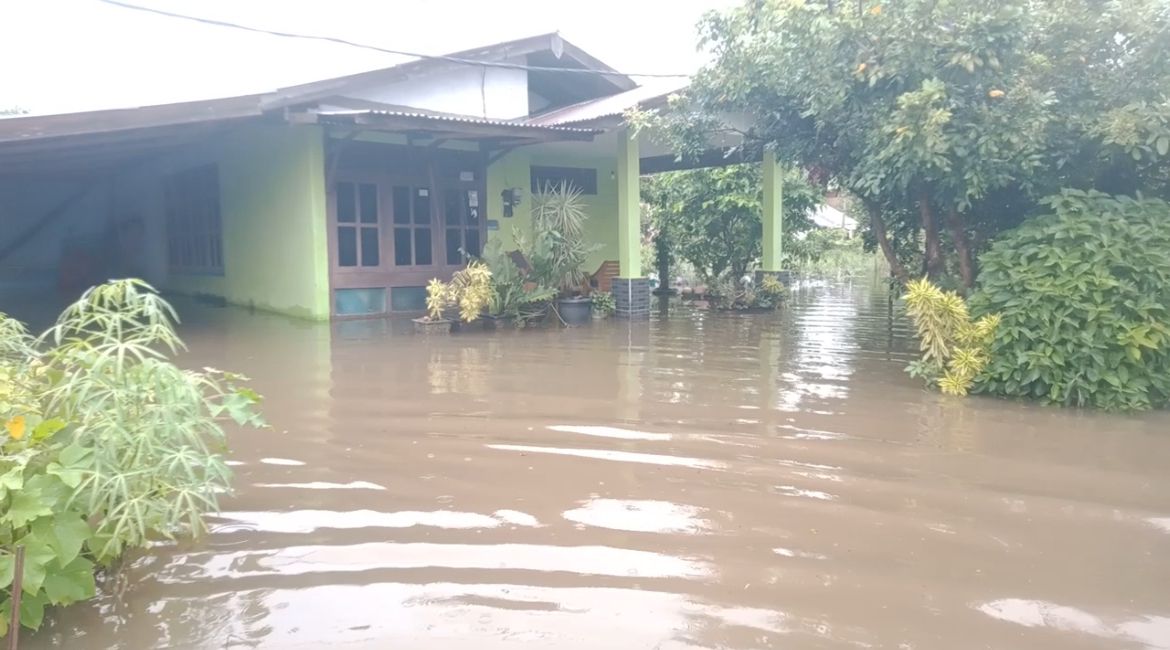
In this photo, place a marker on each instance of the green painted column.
(629, 206)
(773, 217)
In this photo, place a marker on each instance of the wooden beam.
(710, 158)
(54, 213)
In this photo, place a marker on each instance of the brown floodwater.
(699, 481)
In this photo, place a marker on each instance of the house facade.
(334, 199)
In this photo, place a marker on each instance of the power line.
(366, 46)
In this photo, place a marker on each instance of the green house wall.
(514, 170)
(272, 210)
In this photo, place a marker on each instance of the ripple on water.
(639, 516)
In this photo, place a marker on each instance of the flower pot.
(428, 326)
(497, 322)
(575, 311)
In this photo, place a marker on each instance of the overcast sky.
(70, 55)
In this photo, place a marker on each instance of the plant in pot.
(464, 298)
(558, 250)
(515, 300)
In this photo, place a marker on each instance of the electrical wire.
(366, 46)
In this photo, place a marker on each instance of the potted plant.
(558, 250)
(515, 300)
(468, 292)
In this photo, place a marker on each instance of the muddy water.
(698, 482)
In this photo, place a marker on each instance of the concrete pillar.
(773, 217)
(631, 290)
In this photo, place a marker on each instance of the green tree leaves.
(1084, 294)
(713, 215)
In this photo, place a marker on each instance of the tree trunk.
(934, 258)
(883, 239)
(963, 248)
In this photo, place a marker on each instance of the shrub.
(1084, 293)
(469, 291)
(604, 304)
(730, 295)
(955, 347)
(105, 445)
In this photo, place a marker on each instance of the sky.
(73, 55)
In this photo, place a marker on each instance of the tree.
(948, 119)
(712, 216)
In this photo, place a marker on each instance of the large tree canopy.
(949, 119)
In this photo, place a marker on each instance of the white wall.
(484, 92)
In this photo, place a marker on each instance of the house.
(339, 198)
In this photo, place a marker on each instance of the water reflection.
(371, 556)
(307, 521)
(1151, 631)
(639, 516)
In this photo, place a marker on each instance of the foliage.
(830, 252)
(712, 216)
(512, 295)
(558, 250)
(729, 295)
(470, 291)
(947, 118)
(604, 304)
(955, 347)
(1084, 293)
(106, 444)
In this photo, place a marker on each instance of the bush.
(105, 445)
(954, 346)
(1084, 296)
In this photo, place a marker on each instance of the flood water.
(700, 481)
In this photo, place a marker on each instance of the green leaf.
(70, 477)
(7, 569)
(71, 533)
(13, 479)
(37, 555)
(73, 455)
(73, 582)
(32, 610)
(25, 507)
(1163, 145)
(47, 428)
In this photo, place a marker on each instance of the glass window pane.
(346, 246)
(368, 197)
(408, 298)
(370, 247)
(401, 201)
(453, 207)
(453, 245)
(472, 244)
(347, 302)
(422, 246)
(346, 212)
(422, 205)
(402, 247)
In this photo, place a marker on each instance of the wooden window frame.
(192, 203)
(582, 178)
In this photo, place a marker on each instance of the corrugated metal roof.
(459, 119)
(608, 106)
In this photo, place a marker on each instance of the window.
(358, 230)
(194, 235)
(412, 226)
(582, 178)
(461, 216)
